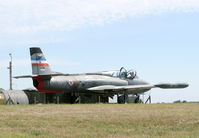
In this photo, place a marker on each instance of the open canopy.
(122, 73)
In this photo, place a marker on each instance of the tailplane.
(39, 64)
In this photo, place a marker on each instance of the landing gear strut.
(148, 100)
(125, 98)
(138, 100)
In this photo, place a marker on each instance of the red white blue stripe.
(39, 62)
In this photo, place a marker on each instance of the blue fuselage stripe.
(38, 59)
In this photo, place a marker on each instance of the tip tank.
(172, 85)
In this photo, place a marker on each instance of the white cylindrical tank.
(13, 97)
(2, 98)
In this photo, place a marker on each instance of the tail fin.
(39, 64)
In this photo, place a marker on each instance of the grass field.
(100, 120)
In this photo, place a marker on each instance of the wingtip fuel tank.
(169, 85)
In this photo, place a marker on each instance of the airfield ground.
(100, 120)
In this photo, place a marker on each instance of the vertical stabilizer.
(39, 64)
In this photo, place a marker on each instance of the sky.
(158, 39)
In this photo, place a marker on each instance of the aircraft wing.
(117, 89)
(135, 88)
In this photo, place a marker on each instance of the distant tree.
(178, 101)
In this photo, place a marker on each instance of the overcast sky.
(157, 38)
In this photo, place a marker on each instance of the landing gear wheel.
(138, 100)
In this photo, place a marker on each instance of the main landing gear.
(125, 98)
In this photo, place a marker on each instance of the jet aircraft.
(106, 83)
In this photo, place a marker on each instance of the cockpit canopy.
(122, 73)
(127, 74)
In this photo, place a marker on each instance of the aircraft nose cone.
(182, 85)
(186, 85)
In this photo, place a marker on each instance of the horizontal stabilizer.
(43, 76)
(25, 76)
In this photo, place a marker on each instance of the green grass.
(100, 120)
